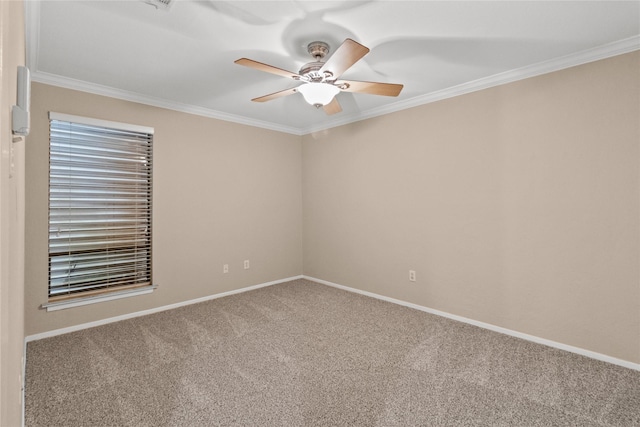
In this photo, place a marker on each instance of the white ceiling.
(182, 58)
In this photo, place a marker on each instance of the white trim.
(527, 337)
(100, 123)
(32, 11)
(82, 326)
(62, 305)
(73, 84)
(32, 28)
(619, 47)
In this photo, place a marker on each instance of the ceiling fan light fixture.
(319, 79)
(318, 94)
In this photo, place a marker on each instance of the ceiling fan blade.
(344, 57)
(276, 95)
(333, 107)
(267, 68)
(373, 88)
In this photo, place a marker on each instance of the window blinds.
(99, 207)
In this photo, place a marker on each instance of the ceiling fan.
(320, 78)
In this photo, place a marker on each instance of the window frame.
(104, 291)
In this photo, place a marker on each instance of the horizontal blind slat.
(80, 277)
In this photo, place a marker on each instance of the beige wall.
(223, 193)
(12, 48)
(517, 206)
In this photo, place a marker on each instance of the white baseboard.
(549, 343)
(569, 348)
(554, 344)
(74, 328)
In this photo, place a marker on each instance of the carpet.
(305, 354)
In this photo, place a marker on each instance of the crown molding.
(32, 15)
(590, 55)
(32, 28)
(125, 95)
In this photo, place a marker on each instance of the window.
(99, 209)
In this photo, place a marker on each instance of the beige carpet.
(305, 354)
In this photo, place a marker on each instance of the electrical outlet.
(246, 264)
(412, 275)
(225, 268)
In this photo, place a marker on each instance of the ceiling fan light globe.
(318, 93)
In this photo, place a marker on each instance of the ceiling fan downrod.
(310, 71)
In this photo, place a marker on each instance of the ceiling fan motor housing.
(310, 70)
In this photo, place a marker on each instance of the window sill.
(77, 302)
